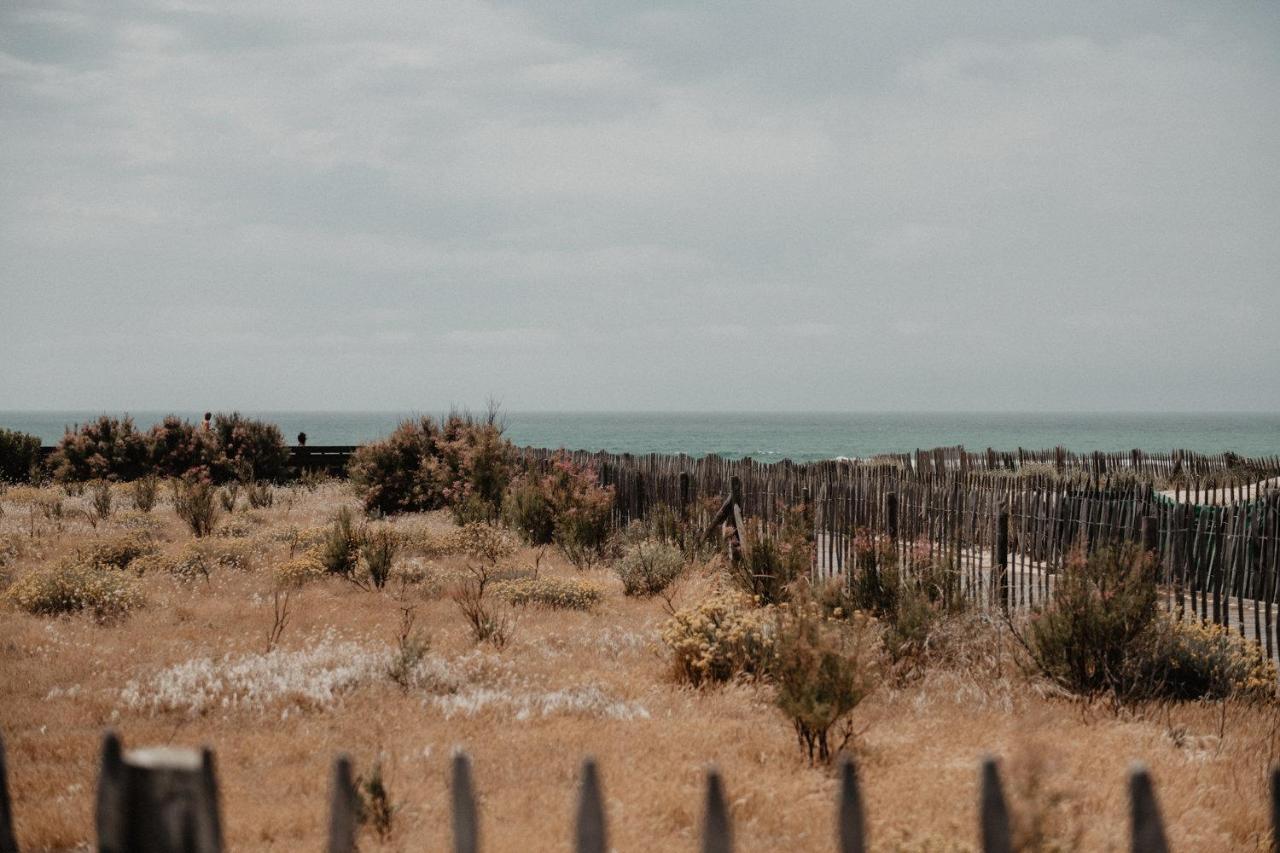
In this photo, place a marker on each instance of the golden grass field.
(190, 668)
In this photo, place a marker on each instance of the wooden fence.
(166, 801)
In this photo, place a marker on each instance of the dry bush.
(227, 497)
(194, 502)
(483, 542)
(566, 506)
(773, 560)
(487, 621)
(719, 638)
(299, 571)
(821, 670)
(1201, 660)
(648, 567)
(375, 809)
(108, 449)
(379, 544)
(259, 495)
(549, 592)
(145, 493)
(340, 550)
(117, 552)
(100, 498)
(73, 586)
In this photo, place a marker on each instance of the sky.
(639, 206)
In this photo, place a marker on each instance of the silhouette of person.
(208, 420)
(302, 439)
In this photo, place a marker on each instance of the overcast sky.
(608, 205)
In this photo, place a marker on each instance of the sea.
(772, 436)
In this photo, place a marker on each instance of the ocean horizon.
(771, 436)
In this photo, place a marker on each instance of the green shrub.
(1094, 635)
(249, 449)
(549, 592)
(719, 638)
(19, 456)
(106, 449)
(821, 669)
(649, 567)
(527, 509)
(73, 586)
(194, 501)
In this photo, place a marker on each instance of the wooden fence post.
(1145, 827)
(994, 813)
(1275, 808)
(590, 833)
(1150, 534)
(342, 809)
(891, 515)
(1001, 567)
(158, 800)
(8, 841)
(684, 494)
(851, 832)
(466, 828)
(717, 835)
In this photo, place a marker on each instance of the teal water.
(774, 436)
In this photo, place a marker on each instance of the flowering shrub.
(549, 592)
(299, 571)
(115, 552)
(464, 464)
(19, 456)
(178, 448)
(72, 586)
(107, 449)
(648, 567)
(483, 542)
(719, 638)
(1202, 660)
(249, 449)
(566, 506)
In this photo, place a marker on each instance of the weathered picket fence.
(166, 801)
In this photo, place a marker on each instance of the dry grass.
(191, 668)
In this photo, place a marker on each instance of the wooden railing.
(166, 801)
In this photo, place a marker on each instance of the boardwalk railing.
(166, 801)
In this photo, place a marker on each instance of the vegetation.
(106, 449)
(648, 567)
(723, 636)
(552, 593)
(195, 503)
(19, 456)
(464, 463)
(821, 670)
(73, 586)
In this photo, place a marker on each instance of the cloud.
(620, 191)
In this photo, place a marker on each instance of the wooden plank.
(1145, 824)
(466, 824)
(717, 834)
(993, 812)
(851, 827)
(342, 808)
(8, 839)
